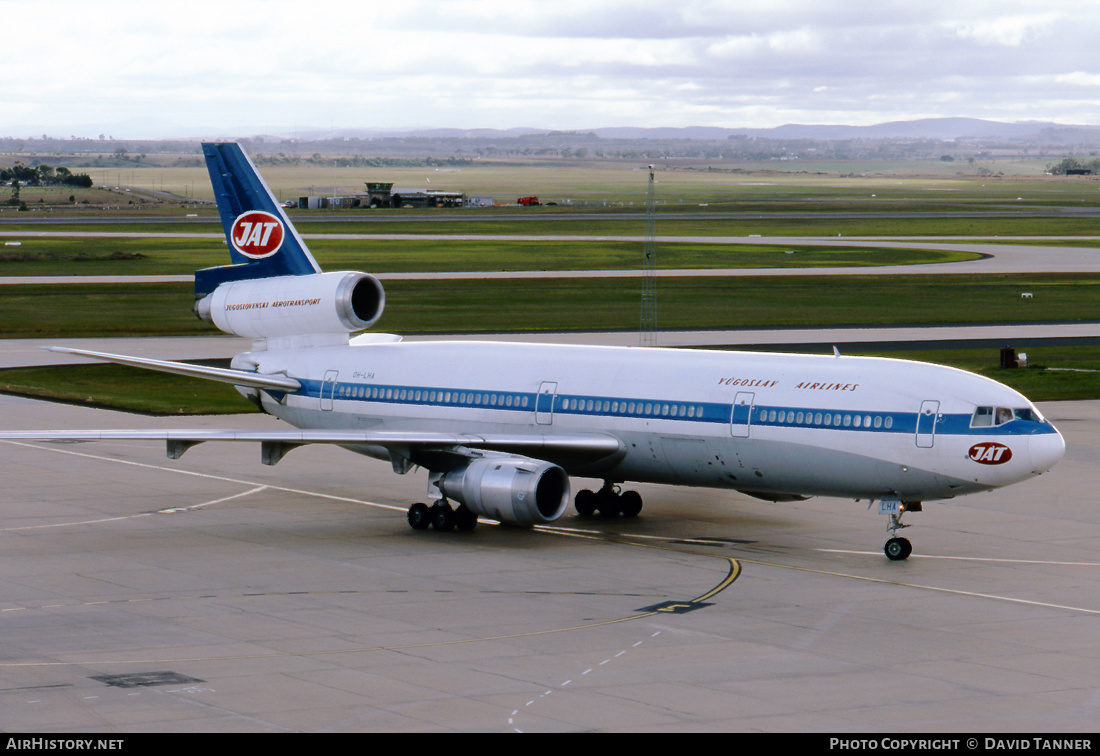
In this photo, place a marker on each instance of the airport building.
(382, 194)
(426, 198)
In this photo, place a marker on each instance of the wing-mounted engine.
(516, 490)
(335, 303)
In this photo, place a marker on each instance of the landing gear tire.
(420, 516)
(585, 502)
(609, 506)
(898, 549)
(630, 503)
(608, 502)
(465, 519)
(443, 518)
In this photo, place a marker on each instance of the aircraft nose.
(1045, 450)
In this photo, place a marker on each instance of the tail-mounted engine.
(322, 303)
(516, 490)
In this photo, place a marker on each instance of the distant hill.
(943, 129)
(925, 128)
(924, 139)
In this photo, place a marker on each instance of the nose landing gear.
(896, 548)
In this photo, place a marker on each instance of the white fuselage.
(768, 424)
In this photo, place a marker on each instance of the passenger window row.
(825, 419)
(631, 409)
(616, 407)
(470, 398)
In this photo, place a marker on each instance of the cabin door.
(328, 388)
(742, 414)
(544, 403)
(926, 423)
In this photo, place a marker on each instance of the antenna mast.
(648, 330)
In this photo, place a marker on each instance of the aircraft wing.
(401, 445)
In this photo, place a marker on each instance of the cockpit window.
(986, 417)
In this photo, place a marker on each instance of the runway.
(216, 594)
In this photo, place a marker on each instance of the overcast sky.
(242, 67)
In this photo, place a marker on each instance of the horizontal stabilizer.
(224, 375)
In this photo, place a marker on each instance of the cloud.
(271, 65)
(1008, 31)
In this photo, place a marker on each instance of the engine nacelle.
(516, 490)
(322, 303)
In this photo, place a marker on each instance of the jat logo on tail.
(257, 234)
(990, 453)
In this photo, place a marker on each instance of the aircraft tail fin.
(262, 241)
(274, 291)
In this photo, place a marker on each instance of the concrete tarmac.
(216, 594)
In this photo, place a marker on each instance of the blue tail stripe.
(239, 188)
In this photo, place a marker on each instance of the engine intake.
(516, 490)
(321, 303)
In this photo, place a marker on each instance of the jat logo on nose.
(257, 234)
(990, 453)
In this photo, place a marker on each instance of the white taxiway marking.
(172, 510)
(964, 558)
(512, 716)
(162, 468)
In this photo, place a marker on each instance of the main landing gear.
(608, 501)
(441, 517)
(897, 548)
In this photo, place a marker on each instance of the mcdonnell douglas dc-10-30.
(501, 427)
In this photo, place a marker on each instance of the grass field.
(430, 306)
(536, 222)
(125, 388)
(1053, 374)
(803, 301)
(167, 256)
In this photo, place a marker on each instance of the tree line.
(43, 175)
(1075, 165)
